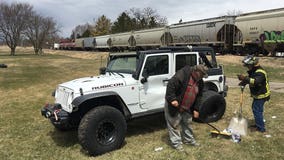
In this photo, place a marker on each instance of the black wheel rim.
(106, 133)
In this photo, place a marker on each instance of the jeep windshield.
(122, 63)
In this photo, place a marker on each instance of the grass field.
(273, 66)
(27, 83)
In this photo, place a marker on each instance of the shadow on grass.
(64, 138)
(146, 124)
(135, 127)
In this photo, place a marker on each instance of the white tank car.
(260, 32)
(89, 43)
(79, 43)
(102, 42)
(216, 32)
(151, 38)
(121, 41)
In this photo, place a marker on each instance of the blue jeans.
(257, 109)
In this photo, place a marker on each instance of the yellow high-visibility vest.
(252, 81)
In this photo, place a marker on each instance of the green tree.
(123, 24)
(87, 33)
(102, 26)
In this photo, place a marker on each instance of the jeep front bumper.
(55, 113)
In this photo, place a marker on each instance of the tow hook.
(55, 114)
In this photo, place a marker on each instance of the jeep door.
(156, 72)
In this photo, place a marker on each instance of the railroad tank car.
(89, 43)
(260, 32)
(102, 42)
(79, 44)
(150, 38)
(215, 32)
(66, 44)
(121, 41)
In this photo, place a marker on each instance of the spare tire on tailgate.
(211, 106)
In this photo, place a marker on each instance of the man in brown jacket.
(186, 83)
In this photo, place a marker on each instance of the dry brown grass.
(267, 61)
(74, 54)
(231, 59)
(25, 134)
(79, 54)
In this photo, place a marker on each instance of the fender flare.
(81, 99)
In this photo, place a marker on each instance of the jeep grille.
(64, 97)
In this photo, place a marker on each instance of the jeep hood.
(102, 82)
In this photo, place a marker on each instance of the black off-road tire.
(212, 106)
(101, 130)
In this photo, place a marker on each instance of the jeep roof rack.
(187, 48)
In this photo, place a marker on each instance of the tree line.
(132, 19)
(19, 23)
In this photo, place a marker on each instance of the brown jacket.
(177, 87)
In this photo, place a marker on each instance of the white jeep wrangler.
(132, 85)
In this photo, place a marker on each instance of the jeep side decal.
(108, 86)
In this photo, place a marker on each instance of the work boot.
(194, 144)
(252, 126)
(255, 129)
(179, 148)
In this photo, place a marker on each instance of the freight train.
(259, 32)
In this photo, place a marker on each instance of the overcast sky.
(70, 13)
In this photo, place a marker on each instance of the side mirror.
(145, 76)
(103, 70)
(143, 80)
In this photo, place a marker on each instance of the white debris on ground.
(158, 149)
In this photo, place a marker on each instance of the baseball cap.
(203, 69)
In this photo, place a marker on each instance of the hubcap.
(106, 133)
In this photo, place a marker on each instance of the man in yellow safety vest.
(259, 88)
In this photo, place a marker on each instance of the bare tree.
(79, 30)
(234, 12)
(39, 30)
(147, 18)
(13, 21)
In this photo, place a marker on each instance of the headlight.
(69, 100)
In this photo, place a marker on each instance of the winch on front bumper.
(55, 113)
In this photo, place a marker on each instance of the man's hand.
(241, 77)
(175, 103)
(242, 83)
(195, 114)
